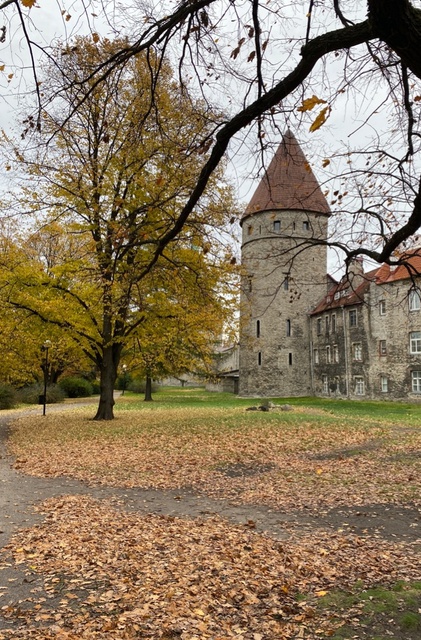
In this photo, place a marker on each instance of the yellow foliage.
(309, 103)
(321, 119)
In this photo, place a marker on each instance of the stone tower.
(284, 275)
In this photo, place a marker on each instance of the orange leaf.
(28, 3)
(321, 119)
(309, 103)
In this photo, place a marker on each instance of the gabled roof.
(409, 266)
(288, 183)
(342, 294)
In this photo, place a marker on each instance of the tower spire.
(289, 183)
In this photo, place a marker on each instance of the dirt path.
(19, 493)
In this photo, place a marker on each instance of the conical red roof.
(288, 183)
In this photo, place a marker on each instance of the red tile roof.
(343, 294)
(289, 183)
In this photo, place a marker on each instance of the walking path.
(19, 493)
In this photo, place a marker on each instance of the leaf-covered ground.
(302, 459)
(107, 573)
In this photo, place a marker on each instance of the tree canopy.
(100, 192)
(275, 64)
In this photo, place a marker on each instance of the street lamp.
(124, 380)
(44, 366)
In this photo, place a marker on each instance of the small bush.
(96, 387)
(137, 385)
(31, 394)
(76, 387)
(8, 397)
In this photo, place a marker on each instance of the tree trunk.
(148, 389)
(108, 371)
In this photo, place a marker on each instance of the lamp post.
(124, 380)
(44, 349)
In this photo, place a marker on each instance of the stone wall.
(284, 276)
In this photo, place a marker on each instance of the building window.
(382, 347)
(353, 318)
(333, 322)
(306, 225)
(250, 283)
(288, 328)
(382, 307)
(359, 385)
(258, 329)
(328, 360)
(327, 324)
(384, 384)
(335, 353)
(325, 384)
(249, 230)
(290, 359)
(415, 341)
(319, 326)
(416, 381)
(414, 300)
(277, 225)
(316, 356)
(286, 283)
(259, 358)
(357, 351)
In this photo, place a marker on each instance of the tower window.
(306, 225)
(286, 283)
(258, 329)
(250, 283)
(259, 358)
(384, 384)
(290, 359)
(288, 328)
(277, 225)
(249, 230)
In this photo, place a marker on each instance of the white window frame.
(325, 384)
(382, 307)
(416, 381)
(359, 387)
(354, 322)
(357, 351)
(335, 353)
(415, 342)
(414, 300)
(316, 356)
(384, 384)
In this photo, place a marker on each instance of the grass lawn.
(117, 575)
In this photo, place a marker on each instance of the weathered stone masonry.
(303, 333)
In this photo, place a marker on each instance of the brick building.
(302, 332)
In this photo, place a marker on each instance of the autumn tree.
(112, 178)
(190, 306)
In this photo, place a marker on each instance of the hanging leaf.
(309, 103)
(326, 162)
(321, 119)
(28, 3)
